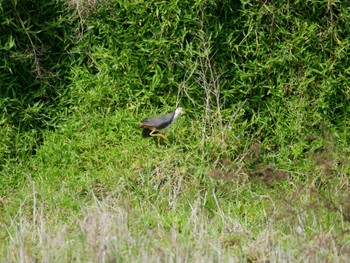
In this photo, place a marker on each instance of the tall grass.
(256, 170)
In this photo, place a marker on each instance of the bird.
(154, 126)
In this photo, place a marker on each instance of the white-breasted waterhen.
(153, 126)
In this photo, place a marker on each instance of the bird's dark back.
(159, 122)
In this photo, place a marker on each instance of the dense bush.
(283, 65)
(35, 40)
(288, 61)
(256, 170)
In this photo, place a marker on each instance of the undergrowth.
(255, 170)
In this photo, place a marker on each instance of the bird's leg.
(158, 135)
(163, 137)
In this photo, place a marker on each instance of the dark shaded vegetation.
(35, 42)
(287, 61)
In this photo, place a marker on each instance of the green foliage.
(134, 48)
(34, 43)
(288, 60)
(288, 67)
(264, 141)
